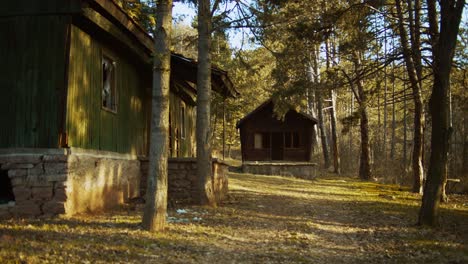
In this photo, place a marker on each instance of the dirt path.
(267, 219)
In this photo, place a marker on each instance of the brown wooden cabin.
(75, 104)
(265, 138)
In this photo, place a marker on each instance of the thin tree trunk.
(365, 172)
(323, 134)
(154, 215)
(311, 111)
(405, 133)
(465, 146)
(336, 154)
(414, 70)
(318, 98)
(204, 167)
(385, 100)
(443, 49)
(364, 162)
(351, 110)
(393, 139)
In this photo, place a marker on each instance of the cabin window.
(6, 189)
(262, 140)
(291, 139)
(182, 122)
(109, 95)
(170, 136)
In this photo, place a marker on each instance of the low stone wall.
(49, 182)
(182, 180)
(304, 170)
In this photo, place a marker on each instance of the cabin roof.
(182, 66)
(264, 105)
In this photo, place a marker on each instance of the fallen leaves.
(267, 219)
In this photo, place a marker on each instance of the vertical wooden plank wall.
(32, 55)
(88, 125)
(186, 145)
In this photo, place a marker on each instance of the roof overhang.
(181, 67)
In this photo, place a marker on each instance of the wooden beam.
(109, 27)
(125, 20)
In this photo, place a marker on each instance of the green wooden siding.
(88, 125)
(32, 55)
(48, 7)
(181, 146)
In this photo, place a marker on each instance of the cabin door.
(277, 146)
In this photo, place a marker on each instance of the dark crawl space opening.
(6, 190)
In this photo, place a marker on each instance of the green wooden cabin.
(77, 74)
(51, 79)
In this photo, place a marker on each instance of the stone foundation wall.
(304, 170)
(48, 182)
(182, 180)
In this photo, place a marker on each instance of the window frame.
(183, 125)
(265, 137)
(290, 139)
(114, 105)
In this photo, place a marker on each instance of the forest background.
(365, 69)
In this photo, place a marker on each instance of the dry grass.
(267, 219)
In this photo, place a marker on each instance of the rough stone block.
(42, 193)
(54, 158)
(37, 181)
(18, 181)
(56, 177)
(17, 173)
(173, 166)
(38, 169)
(8, 166)
(53, 207)
(60, 194)
(60, 184)
(26, 209)
(21, 159)
(5, 214)
(56, 168)
(21, 193)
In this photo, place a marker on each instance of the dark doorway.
(277, 145)
(6, 190)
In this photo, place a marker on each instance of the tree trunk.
(204, 171)
(465, 147)
(311, 111)
(443, 49)
(318, 97)
(364, 161)
(154, 215)
(336, 154)
(413, 66)
(393, 139)
(405, 133)
(323, 134)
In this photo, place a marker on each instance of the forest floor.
(266, 219)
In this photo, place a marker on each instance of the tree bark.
(365, 172)
(465, 147)
(154, 215)
(204, 167)
(336, 154)
(443, 49)
(364, 161)
(314, 71)
(323, 134)
(412, 57)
